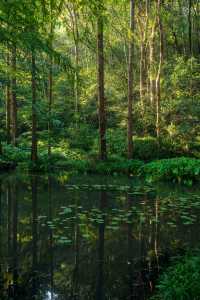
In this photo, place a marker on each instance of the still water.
(79, 237)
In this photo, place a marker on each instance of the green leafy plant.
(183, 170)
(181, 280)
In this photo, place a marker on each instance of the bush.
(181, 280)
(183, 170)
(81, 137)
(120, 166)
(116, 142)
(15, 154)
(145, 148)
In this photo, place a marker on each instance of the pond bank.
(181, 169)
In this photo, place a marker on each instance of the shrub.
(81, 137)
(15, 154)
(120, 166)
(182, 169)
(181, 280)
(116, 142)
(145, 148)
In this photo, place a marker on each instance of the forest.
(99, 101)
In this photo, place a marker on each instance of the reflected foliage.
(69, 237)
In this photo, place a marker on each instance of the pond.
(89, 237)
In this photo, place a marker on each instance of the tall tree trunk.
(50, 88)
(8, 103)
(143, 59)
(130, 82)
(76, 82)
(143, 53)
(152, 83)
(34, 111)
(100, 79)
(50, 105)
(142, 73)
(190, 27)
(161, 50)
(73, 13)
(14, 95)
(76, 48)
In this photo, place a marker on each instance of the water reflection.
(89, 241)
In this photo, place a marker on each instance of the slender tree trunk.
(76, 82)
(143, 53)
(14, 95)
(152, 83)
(101, 95)
(34, 112)
(161, 50)
(50, 91)
(190, 27)
(130, 82)
(76, 48)
(142, 73)
(8, 104)
(50, 105)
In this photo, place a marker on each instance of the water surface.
(89, 237)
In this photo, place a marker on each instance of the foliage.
(181, 280)
(183, 170)
(118, 166)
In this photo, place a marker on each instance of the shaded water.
(90, 237)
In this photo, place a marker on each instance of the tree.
(8, 101)
(130, 81)
(158, 93)
(14, 94)
(34, 109)
(100, 82)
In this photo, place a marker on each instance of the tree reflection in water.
(98, 242)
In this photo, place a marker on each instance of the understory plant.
(181, 280)
(182, 170)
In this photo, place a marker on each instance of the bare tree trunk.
(161, 50)
(143, 53)
(76, 81)
(152, 83)
(50, 87)
(142, 73)
(50, 104)
(101, 95)
(130, 82)
(76, 48)
(8, 103)
(34, 112)
(190, 27)
(14, 96)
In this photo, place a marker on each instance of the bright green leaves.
(182, 170)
